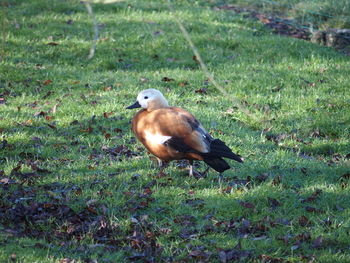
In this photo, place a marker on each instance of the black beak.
(135, 105)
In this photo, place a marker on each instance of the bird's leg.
(162, 166)
(191, 168)
(221, 177)
(160, 163)
(193, 172)
(206, 171)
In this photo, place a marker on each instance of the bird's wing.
(185, 133)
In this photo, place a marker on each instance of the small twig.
(4, 28)
(95, 28)
(204, 68)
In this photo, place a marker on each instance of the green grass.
(86, 203)
(321, 14)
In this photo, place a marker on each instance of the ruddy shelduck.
(172, 133)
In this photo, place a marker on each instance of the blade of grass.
(206, 71)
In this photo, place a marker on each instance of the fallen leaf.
(201, 91)
(107, 114)
(160, 32)
(307, 258)
(304, 221)
(328, 221)
(40, 113)
(199, 254)
(276, 89)
(234, 255)
(51, 126)
(165, 230)
(318, 242)
(186, 220)
(247, 204)
(273, 202)
(269, 259)
(47, 82)
(38, 169)
(282, 221)
(48, 94)
(196, 202)
(230, 110)
(345, 177)
(5, 180)
(91, 209)
(3, 144)
(313, 209)
(303, 170)
(183, 83)
(161, 174)
(166, 79)
(88, 130)
(315, 195)
(75, 122)
(227, 190)
(262, 177)
(144, 80)
(121, 150)
(239, 183)
(147, 191)
(339, 208)
(277, 180)
(66, 260)
(54, 108)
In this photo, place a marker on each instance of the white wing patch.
(156, 138)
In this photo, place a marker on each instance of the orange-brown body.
(172, 122)
(172, 133)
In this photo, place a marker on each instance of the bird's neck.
(158, 104)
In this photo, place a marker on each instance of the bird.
(172, 133)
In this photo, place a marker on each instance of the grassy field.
(76, 187)
(322, 14)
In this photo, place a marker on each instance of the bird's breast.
(155, 138)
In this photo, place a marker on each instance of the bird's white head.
(150, 99)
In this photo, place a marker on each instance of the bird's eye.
(145, 97)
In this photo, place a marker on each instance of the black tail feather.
(219, 149)
(218, 164)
